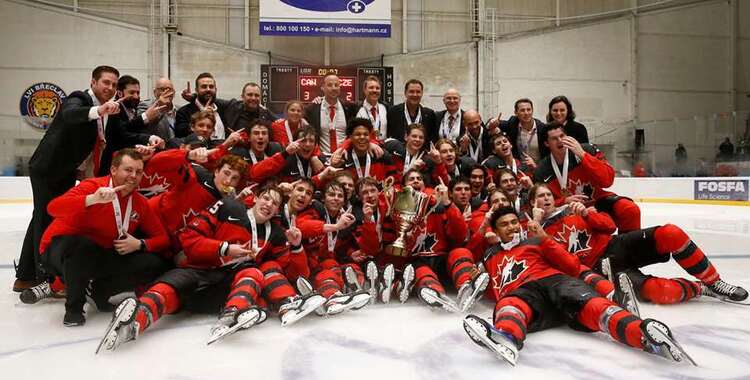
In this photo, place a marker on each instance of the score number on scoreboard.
(281, 83)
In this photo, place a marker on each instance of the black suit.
(577, 130)
(397, 123)
(182, 120)
(510, 128)
(439, 120)
(236, 117)
(118, 135)
(67, 143)
(312, 114)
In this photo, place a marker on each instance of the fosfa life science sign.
(341, 18)
(720, 189)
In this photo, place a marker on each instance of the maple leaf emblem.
(581, 188)
(155, 184)
(425, 243)
(187, 216)
(577, 240)
(508, 271)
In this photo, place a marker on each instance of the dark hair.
(456, 181)
(413, 81)
(476, 166)
(564, 99)
(371, 78)
(130, 152)
(550, 126)
(365, 181)
(522, 100)
(358, 122)
(250, 84)
(125, 81)
(408, 173)
(414, 126)
(97, 73)
(533, 190)
(446, 141)
(502, 211)
(259, 123)
(503, 170)
(335, 185)
(499, 135)
(307, 130)
(201, 76)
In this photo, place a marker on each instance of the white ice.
(384, 341)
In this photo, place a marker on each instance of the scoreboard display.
(282, 83)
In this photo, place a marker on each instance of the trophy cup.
(409, 211)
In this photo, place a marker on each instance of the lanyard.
(254, 228)
(514, 167)
(562, 179)
(408, 118)
(475, 152)
(379, 223)
(291, 218)
(376, 122)
(288, 131)
(467, 212)
(331, 236)
(122, 223)
(302, 172)
(253, 157)
(409, 160)
(358, 166)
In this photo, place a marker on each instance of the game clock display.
(282, 83)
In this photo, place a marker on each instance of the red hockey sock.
(512, 315)
(602, 286)
(426, 278)
(672, 239)
(160, 299)
(601, 314)
(328, 282)
(276, 287)
(246, 288)
(57, 285)
(627, 215)
(461, 266)
(669, 290)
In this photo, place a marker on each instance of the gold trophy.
(409, 211)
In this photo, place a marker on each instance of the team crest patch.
(40, 103)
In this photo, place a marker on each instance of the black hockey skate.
(434, 299)
(726, 292)
(232, 320)
(472, 290)
(502, 344)
(36, 293)
(625, 294)
(123, 327)
(298, 307)
(658, 340)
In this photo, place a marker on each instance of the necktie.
(374, 112)
(451, 120)
(332, 130)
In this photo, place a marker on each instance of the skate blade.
(607, 269)
(355, 302)
(310, 305)
(432, 298)
(626, 286)
(479, 334)
(351, 279)
(110, 336)
(667, 342)
(476, 293)
(406, 284)
(250, 322)
(388, 276)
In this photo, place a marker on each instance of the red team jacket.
(310, 222)
(589, 176)
(97, 222)
(586, 237)
(533, 259)
(227, 222)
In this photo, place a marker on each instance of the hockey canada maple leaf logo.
(508, 271)
(425, 243)
(155, 184)
(187, 216)
(581, 188)
(578, 240)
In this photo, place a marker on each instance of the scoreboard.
(281, 83)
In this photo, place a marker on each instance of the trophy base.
(396, 251)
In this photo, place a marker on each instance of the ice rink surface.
(385, 341)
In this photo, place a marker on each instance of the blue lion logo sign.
(40, 103)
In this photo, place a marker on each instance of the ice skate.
(36, 293)
(502, 344)
(406, 284)
(435, 299)
(305, 288)
(607, 269)
(298, 307)
(725, 292)
(339, 303)
(472, 290)
(123, 327)
(371, 284)
(350, 278)
(389, 273)
(658, 340)
(625, 294)
(232, 320)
